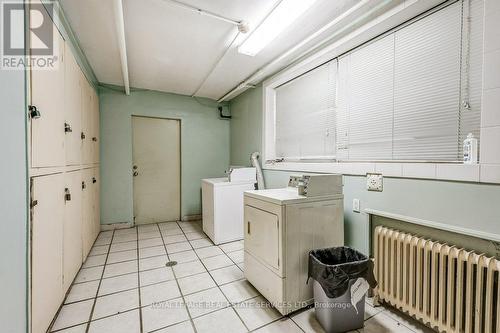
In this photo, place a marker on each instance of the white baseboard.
(186, 218)
(115, 226)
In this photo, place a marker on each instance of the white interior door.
(156, 169)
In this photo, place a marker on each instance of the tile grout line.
(99, 285)
(177, 282)
(230, 305)
(139, 280)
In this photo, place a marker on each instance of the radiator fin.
(447, 288)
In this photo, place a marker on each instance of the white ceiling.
(173, 49)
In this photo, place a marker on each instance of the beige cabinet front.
(96, 217)
(47, 249)
(47, 96)
(73, 110)
(94, 127)
(72, 251)
(87, 212)
(86, 133)
(262, 235)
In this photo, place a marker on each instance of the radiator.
(446, 287)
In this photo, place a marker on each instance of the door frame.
(179, 120)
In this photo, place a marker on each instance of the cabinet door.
(86, 134)
(72, 240)
(72, 108)
(46, 249)
(87, 211)
(95, 127)
(47, 95)
(262, 235)
(96, 221)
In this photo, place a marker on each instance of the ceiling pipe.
(122, 46)
(249, 82)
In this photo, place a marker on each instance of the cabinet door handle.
(248, 227)
(82, 136)
(94, 180)
(94, 139)
(84, 185)
(67, 194)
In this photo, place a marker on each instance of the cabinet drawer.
(262, 234)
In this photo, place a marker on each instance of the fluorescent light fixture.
(275, 23)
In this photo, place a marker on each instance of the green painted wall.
(204, 146)
(13, 202)
(468, 205)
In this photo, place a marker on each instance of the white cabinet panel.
(86, 135)
(73, 109)
(96, 221)
(87, 211)
(95, 127)
(47, 95)
(47, 249)
(72, 250)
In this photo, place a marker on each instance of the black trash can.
(341, 278)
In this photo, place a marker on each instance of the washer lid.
(288, 195)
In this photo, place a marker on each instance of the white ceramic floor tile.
(280, 326)
(241, 266)
(168, 225)
(205, 301)
(194, 283)
(102, 241)
(123, 246)
(171, 232)
(307, 321)
(188, 268)
(149, 234)
(219, 261)
(126, 231)
(116, 303)
(145, 228)
(152, 251)
(152, 262)
(195, 235)
(89, 274)
(239, 291)
(93, 261)
(122, 256)
(371, 311)
(105, 234)
(382, 323)
(209, 251)
(233, 246)
(118, 283)
(184, 256)
(124, 322)
(184, 327)
(82, 291)
(236, 256)
(407, 321)
(178, 247)
(156, 275)
(124, 238)
(256, 312)
(120, 268)
(163, 315)
(73, 314)
(174, 239)
(222, 321)
(75, 329)
(98, 250)
(199, 243)
(159, 292)
(150, 242)
(227, 274)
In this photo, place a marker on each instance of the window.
(305, 115)
(412, 95)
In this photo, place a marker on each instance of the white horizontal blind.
(427, 87)
(472, 69)
(305, 115)
(370, 101)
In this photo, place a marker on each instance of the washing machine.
(222, 204)
(281, 227)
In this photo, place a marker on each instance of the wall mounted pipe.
(122, 46)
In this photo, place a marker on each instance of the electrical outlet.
(374, 182)
(355, 205)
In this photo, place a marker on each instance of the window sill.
(438, 171)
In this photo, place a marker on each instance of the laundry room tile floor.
(125, 286)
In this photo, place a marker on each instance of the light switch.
(355, 205)
(374, 182)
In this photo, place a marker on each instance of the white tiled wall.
(490, 114)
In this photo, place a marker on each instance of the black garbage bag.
(334, 267)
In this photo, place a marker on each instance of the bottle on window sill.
(470, 149)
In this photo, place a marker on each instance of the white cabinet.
(72, 236)
(73, 110)
(95, 127)
(96, 203)
(87, 211)
(47, 95)
(46, 249)
(86, 134)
